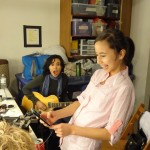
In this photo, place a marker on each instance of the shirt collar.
(117, 78)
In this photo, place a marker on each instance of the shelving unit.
(66, 19)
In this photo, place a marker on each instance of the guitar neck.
(58, 105)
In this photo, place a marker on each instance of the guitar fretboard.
(58, 105)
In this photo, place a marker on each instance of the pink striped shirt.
(102, 106)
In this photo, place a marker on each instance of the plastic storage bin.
(83, 9)
(81, 28)
(87, 47)
(100, 10)
(113, 10)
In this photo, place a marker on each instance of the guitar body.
(28, 104)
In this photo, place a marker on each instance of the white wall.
(140, 32)
(16, 13)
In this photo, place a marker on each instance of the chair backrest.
(130, 126)
(128, 130)
(147, 146)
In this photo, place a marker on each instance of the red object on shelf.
(92, 1)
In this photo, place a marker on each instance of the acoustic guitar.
(50, 101)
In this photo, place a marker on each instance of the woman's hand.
(50, 117)
(40, 105)
(63, 129)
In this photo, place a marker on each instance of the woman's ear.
(122, 54)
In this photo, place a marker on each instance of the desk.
(75, 84)
(15, 111)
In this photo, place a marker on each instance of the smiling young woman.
(105, 106)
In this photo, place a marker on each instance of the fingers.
(50, 114)
(44, 115)
(55, 127)
(41, 105)
(58, 130)
(59, 134)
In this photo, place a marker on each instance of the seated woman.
(53, 81)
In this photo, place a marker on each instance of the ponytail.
(129, 56)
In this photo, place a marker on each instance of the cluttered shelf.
(87, 18)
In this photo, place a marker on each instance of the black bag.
(136, 141)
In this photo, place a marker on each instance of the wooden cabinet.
(66, 18)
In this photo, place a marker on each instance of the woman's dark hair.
(117, 41)
(49, 61)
